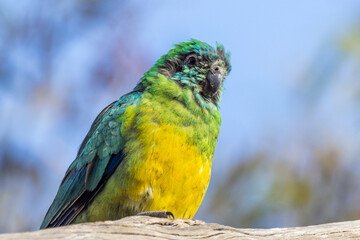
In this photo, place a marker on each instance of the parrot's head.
(197, 66)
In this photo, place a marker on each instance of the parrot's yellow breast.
(168, 171)
(173, 176)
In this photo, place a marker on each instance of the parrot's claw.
(159, 214)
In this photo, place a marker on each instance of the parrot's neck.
(154, 81)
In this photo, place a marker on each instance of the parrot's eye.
(191, 60)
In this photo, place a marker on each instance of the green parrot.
(151, 150)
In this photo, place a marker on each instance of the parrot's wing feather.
(98, 156)
(94, 125)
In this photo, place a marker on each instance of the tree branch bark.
(142, 227)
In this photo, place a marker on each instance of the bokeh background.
(288, 150)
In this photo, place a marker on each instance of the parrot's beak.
(215, 77)
(214, 80)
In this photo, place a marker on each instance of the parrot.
(150, 152)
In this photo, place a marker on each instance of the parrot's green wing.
(98, 156)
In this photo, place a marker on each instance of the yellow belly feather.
(173, 174)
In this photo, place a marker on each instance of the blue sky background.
(272, 44)
(276, 47)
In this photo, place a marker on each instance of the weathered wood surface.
(141, 227)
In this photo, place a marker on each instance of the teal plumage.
(92, 162)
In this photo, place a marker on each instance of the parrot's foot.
(159, 214)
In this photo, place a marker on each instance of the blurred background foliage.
(288, 150)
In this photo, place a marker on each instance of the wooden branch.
(142, 227)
